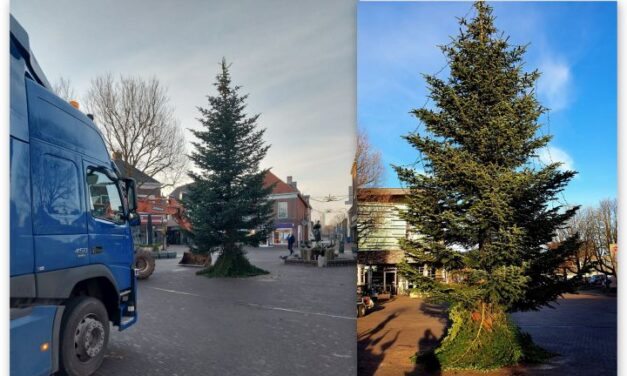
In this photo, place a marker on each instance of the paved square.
(298, 320)
(581, 329)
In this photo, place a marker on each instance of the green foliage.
(532, 353)
(488, 341)
(232, 264)
(419, 293)
(227, 204)
(484, 206)
(475, 344)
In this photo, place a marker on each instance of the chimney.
(291, 182)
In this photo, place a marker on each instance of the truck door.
(59, 225)
(109, 232)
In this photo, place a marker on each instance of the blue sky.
(572, 43)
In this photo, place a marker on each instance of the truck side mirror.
(133, 219)
(131, 197)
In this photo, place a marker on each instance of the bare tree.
(369, 166)
(138, 124)
(605, 236)
(597, 228)
(585, 257)
(371, 212)
(63, 88)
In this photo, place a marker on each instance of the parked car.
(597, 280)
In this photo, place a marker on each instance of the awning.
(283, 226)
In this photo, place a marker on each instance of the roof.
(176, 193)
(129, 171)
(380, 257)
(382, 194)
(384, 191)
(280, 186)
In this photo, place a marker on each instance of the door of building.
(389, 278)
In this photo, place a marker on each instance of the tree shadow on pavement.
(368, 341)
(427, 363)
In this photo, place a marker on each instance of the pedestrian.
(290, 243)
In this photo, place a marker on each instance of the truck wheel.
(84, 336)
(144, 264)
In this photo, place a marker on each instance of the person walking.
(290, 243)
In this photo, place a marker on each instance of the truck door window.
(104, 197)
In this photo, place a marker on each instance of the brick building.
(146, 185)
(292, 211)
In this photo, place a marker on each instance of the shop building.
(378, 228)
(292, 211)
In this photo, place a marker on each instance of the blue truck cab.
(71, 251)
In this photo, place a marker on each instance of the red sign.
(156, 219)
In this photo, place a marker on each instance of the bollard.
(322, 261)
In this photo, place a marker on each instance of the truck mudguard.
(58, 284)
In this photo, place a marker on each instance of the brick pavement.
(295, 321)
(581, 328)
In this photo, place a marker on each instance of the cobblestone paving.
(298, 320)
(581, 329)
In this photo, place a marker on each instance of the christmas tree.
(227, 204)
(483, 207)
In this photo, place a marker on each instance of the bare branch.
(138, 122)
(63, 88)
(369, 166)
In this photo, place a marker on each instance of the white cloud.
(555, 85)
(552, 154)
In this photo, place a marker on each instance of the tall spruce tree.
(228, 204)
(484, 208)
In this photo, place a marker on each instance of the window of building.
(105, 201)
(282, 210)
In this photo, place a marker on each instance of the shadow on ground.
(372, 339)
(429, 364)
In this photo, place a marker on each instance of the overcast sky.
(295, 59)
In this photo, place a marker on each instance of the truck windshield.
(105, 200)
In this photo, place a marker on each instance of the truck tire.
(84, 336)
(144, 264)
